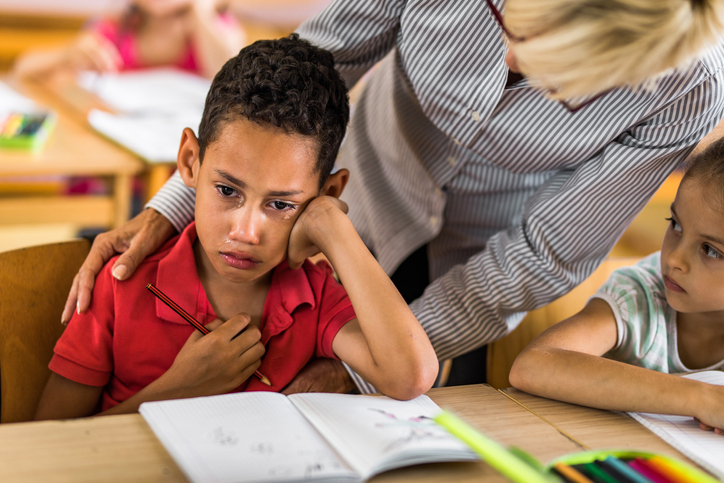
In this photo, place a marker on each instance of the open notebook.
(152, 107)
(264, 436)
(704, 447)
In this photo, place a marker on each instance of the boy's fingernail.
(120, 271)
(77, 308)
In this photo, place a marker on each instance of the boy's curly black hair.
(287, 83)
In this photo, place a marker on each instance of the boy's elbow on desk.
(417, 377)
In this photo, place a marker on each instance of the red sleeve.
(335, 310)
(84, 353)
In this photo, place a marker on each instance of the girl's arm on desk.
(88, 52)
(565, 363)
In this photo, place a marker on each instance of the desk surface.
(123, 448)
(73, 148)
(593, 428)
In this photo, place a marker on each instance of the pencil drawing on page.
(419, 428)
(222, 437)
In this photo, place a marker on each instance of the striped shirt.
(645, 322)
(518, 199)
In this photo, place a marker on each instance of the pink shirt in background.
(127, 44)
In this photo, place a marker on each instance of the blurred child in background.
(195, 35)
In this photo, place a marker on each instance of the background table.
(73, 149)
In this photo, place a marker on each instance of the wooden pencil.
(188, 318)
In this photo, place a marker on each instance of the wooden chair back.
(502, 353)
(34, 284)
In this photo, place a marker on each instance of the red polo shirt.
(128, 338)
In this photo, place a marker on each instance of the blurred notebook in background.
(151, 109)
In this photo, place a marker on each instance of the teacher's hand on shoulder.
(135, 240)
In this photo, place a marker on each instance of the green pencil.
(510, 465)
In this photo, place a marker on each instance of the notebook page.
(375, 434)
(147, 91)
(152, 107)
(704, 447)
(155, 138)
(249, 437)
(11, 100)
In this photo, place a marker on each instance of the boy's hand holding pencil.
(219, 362)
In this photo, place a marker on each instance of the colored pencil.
(623, 471)
(500, 458)
(596, 473)
(571, 474)
(640, 465)
(668, 470)
(188, 318)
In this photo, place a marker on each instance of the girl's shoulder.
(636, 293)
(645, 275)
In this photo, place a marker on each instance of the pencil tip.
(265, 380)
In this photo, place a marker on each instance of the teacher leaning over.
(516, 186)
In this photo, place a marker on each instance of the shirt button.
(434, 221)
(451, 160)
(476, 116)
(456, 141)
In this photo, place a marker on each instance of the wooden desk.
(76, 102)
(123, 448)
(593, 428)
(72, 150)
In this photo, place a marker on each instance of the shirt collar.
(289, 290)
(178, 278)
(293, 286)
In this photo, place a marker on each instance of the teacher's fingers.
(137, 239)
(84, 281)
(103, 249)
(72, 302)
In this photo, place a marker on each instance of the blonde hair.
(582, 47)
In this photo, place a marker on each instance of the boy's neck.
(700, 338)
(229, 298)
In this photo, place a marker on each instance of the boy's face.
(692, 254)
(251, 187)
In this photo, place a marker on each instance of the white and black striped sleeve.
(358, 33)
(175, 201)
(568, 226)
